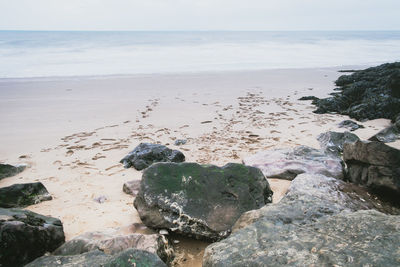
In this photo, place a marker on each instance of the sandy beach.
(72, 132)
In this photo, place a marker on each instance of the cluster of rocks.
(366, 94)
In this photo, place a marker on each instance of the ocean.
(55, 54)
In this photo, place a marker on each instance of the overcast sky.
(199, 14)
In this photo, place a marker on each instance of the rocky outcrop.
(25, 235)
(350, 125)
(111, 242)
(366, 94)
(146, 154)
(389, 134)
(131, 187)
(202, 201)
(21, 195)
(288, 163)
(345, 239)
(332, 142)
(7, 170)
(373, 164)
(130, 257)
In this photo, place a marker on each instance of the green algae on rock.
(202, 201)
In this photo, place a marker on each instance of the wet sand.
(72, 133)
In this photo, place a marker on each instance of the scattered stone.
(345, 239)
(365, 95)
(100, 199)
(130, 257)
(389, 134)
(288, 163)
(146, 154)
(7, 170)
(350, 125)
(332, 142)
(111, 242)
(375, 165)
(25, 235)
(180, 142)
(202, 201)
(22, 195)
(310, 97)
(131, 187)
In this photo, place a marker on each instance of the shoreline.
(73, 133)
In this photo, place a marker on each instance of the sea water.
(52, 54)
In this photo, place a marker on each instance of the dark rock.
(332, 142)
(7, 170)
(311, 197)
(130, 257)
(308, 98)
(111, 242)
(25, 235)
(365, 95)
(375, 165)
(202, 201)
(146, 154)
(131, 187)
(389, 134)
(21, 195)
(180, 142)
(288, 163)
(350, 125)
(345, 239)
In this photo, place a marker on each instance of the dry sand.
(73, 132)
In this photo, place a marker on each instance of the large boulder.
(362, 238)
(7, 170)
(288, 163)
(332, 142)
(111, 242)
(21, 195)
(366, 94)
(375, 165)
(130, 257)
(202, 201)
(146, 154)
(311, 197)
(25, 235)
(389, 134)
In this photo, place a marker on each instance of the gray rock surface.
(389, 134)
(7, 170)
(332, 142)
(127, 258)
(146, 154)
(25, 236)
(131, 187)
(350, 125)
(362, 238)
(21, 195)
(111, 242)
(373, 164)
(202, 201)
(288, 163)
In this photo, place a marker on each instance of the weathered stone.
(25, 235)
(202, 201)
(130, 257)
(7, 170)
(21, 195)
(345, 239)
(131, 187)
(350, 125)
(332, 142)
(389, 134)
(180, 142)
(365, 95)
(311, 197)
(111, 242)
(146, 154)
(288, 163)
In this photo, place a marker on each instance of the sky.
(199, 15)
